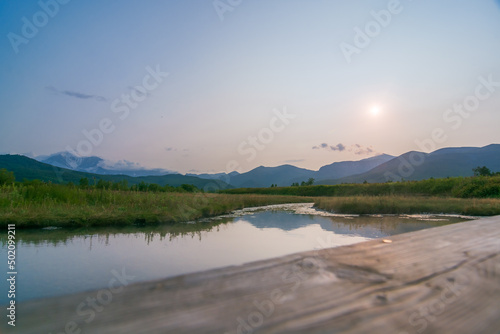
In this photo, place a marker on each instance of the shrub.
(6, 177)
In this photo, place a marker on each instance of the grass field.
(409, 205)
(38, 204)
(459, 187)
(48, 205)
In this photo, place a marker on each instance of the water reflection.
(285, 221)
(103, 235)
(61, 261)
(379, 225)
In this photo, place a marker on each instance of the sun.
(375, 110)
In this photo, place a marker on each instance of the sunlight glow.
(375, 110)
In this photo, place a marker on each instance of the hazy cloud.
(77, 95)
(339, 147)
(356, 148)
(183, 151)
(138, 92)
(125, 165)
(324, 145)
(362, 150)
(120, 165)
(294, 161)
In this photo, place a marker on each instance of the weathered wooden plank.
(439, 280)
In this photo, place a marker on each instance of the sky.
(216, 86)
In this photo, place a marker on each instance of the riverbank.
(457, 187)
(60, 205)
(409, 205)
(57, 205)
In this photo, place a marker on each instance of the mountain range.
(446, 162)
(30, 169)
(285, 175)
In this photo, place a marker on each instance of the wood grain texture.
(438, 280)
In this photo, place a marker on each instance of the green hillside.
(25, 168)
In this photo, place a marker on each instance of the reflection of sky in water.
(79, 261)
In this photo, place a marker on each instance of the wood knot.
(381, 299)
(360, 275)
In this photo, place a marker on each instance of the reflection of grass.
(408, 205)
(51, 205)
(167, 232)
(102, 234)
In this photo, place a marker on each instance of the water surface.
(53, 262)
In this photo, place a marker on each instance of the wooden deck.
(439, 280)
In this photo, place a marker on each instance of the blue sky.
(208, 83)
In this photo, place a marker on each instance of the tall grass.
(49, 204)
(40, 204)
(408, 205)
(460, 187)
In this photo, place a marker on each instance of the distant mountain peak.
(341, 169)
(285, 175)
(25, 168)
(97, 165)
(444, 162)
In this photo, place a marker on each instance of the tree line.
(8, 178)
(484, 171)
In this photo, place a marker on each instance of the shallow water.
(59, 261)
